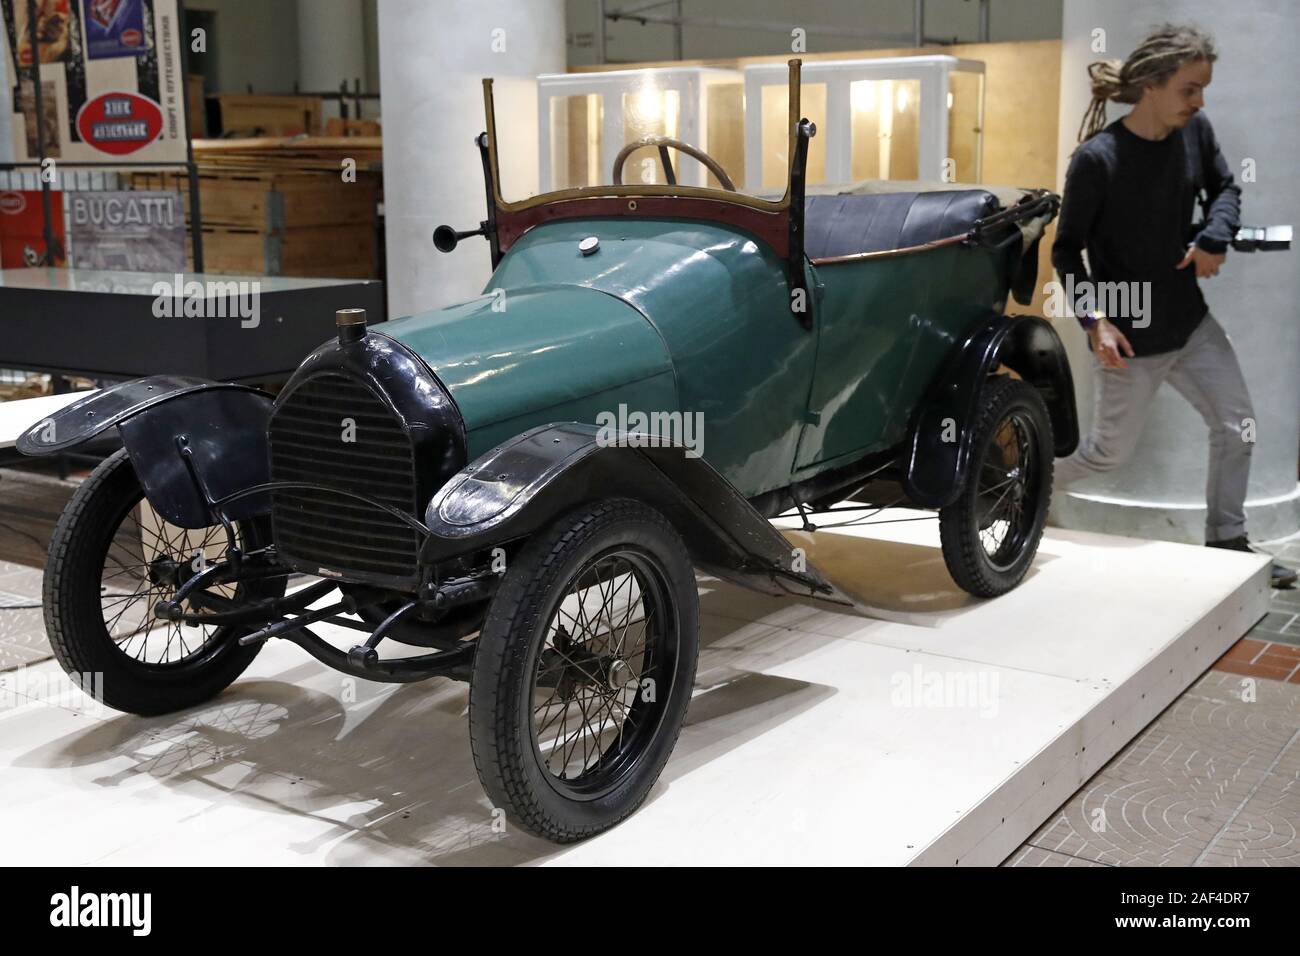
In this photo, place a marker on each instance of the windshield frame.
(644, 190)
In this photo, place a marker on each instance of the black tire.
(78, 603)
(524, 650)
(1007, 490)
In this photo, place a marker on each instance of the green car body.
(692, 317)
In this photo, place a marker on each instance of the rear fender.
(223, 426)
(522, 485)
(942, 435)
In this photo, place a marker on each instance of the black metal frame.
(1036, 202)
(343, 94)
(805, 130)
(441, 603)
(271, 616)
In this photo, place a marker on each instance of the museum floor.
(1214, 780)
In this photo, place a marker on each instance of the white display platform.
(804, 743)
(19, 414)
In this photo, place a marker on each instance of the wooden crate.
(338, 251)
(280, 207)
(256, 115)
(194, 103)
(273, 201)
(337, 126)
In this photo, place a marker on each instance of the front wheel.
(583, 670)
(112, 558)
(990, 534)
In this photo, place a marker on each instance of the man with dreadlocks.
(1129, 197)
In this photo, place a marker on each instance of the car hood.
(533, 348)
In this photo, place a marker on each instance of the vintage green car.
(520, 487)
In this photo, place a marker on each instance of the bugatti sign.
(120, 122)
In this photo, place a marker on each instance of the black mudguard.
(519, 487)
(223, 425)
(1029, 346)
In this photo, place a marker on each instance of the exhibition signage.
(111, 80)
(114, 28)
(120, 123)
(130, 229)
(21, 224)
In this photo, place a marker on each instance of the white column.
(1161, 492)
(431, 67)
(331, 44)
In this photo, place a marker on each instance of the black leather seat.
(876, 222)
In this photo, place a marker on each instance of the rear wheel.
(112, 558)
(991, 532)
(583, 670)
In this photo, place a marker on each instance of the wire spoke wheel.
(112, 559)
(583, 669)
(146, 561)
(1006, 477)
(990, 533)
(596, 678)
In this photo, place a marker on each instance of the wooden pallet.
(291, 152)
(272, 201)
(346, 251)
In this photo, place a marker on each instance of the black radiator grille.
(319, 529)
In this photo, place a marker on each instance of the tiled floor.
(1215, 780)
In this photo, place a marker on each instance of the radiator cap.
(351, 324)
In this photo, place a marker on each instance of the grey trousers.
(1206, 373)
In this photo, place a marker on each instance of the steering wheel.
(663, 143)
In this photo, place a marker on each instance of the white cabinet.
(584, 119)
(916, 117)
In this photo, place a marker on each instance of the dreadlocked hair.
(1156, 59)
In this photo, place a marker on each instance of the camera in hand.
(1262, 238)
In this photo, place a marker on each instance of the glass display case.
(916, 117)
(584, 119)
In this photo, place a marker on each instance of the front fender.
(223, 425)
(81, 421)
(941, 434)
(519, 487)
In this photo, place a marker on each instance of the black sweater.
(1129, 201)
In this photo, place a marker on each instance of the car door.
(872, 316)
